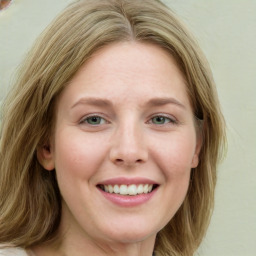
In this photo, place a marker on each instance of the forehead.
(127, 70)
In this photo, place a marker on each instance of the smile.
(131, 190)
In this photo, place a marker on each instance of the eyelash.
(85, 120)
(170, 120)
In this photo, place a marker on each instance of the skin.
(127, 142)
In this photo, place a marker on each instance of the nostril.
(119, 161)
(127, 162)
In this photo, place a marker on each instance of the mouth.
(128, 190)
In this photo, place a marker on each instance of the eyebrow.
(165, 101)
(106, 103)
(93, 101)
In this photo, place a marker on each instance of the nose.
(128, 146)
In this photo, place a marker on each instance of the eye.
(94, 120)
(160, 120)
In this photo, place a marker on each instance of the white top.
(13, 252)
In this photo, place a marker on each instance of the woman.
(111, 137)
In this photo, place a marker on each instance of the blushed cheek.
(78, 157)
(177, 161)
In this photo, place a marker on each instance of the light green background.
(226, 30)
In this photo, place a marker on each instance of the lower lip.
(128, 201)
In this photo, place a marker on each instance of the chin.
(131, 237)
(131, 234)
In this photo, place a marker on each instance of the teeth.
(106, 188)
(140, 189)
(128, 189)
(123, 190)
(116, 189)
(145, 189)
(110, 189)
(132, 189)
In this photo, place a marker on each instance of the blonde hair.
(30, 204)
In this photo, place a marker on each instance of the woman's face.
(124, 144)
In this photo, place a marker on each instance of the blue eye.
(159, 120)
(94, 120)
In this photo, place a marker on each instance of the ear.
(45, 157)
(195, 159)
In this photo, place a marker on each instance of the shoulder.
(12, 252)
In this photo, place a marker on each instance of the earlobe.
(45, 157)
(195, 159)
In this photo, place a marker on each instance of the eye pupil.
(94, 120)
(159, 120)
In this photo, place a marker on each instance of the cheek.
(77, 155)
(174, 155)
(173, 158)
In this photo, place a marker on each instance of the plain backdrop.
(226, 31)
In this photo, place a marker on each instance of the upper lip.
(127, 181)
